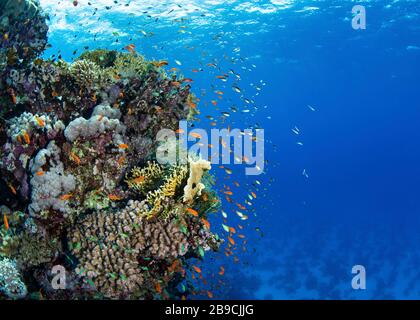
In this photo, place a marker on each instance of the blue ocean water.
(341, 192)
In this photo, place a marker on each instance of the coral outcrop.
(80, 182)
(11, 283)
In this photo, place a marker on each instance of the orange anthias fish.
(123, 146)
(206, 223)
(131, 48)
(40, 173)
(138, 179)
(66, 197)
(193, 212)
(222, 271)
(195, 135)
(12, 189)
(192, 104)
(121, 161)
(114, 197)
(14, 99)
(26, 137)
(6, 222)
(197, 269)
(40, 122)
(160, 63)
(75, 158)
(232, 242)
(158, 287)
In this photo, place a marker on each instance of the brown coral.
(111, 245)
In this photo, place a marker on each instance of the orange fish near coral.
(158, 287)
(121, 161)
(40, 173)
(222, 271)
(6, 222)
(206, 223)
(66, 197)
(193, 212)
(232, 242)
(114, 197)
(138, 179)
(123, 146)
(160, 63)
(75, 158)
(12, 189)
(131, 48)
(197, 269)
(26, 137)
(192, 104)
(40, 122)
(195, 135)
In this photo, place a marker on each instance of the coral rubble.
(81, 187)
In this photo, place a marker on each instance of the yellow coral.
(166, 191)
(139, 177)
(194, 185)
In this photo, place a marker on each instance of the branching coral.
(168, 182)
(86, 74)
(142, 179)
(111, 245)
(162, 201)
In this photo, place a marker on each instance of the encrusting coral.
(80, 182)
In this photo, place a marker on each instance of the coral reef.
(120, 252)
(80, 183)
(11, 283)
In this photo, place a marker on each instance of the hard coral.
(110, 246)
(11, 283)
